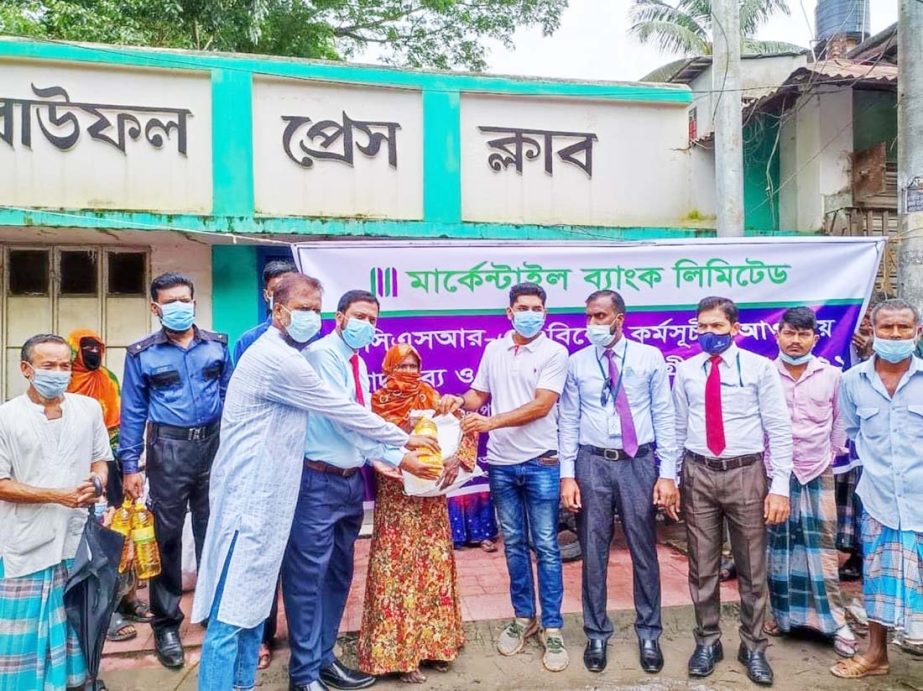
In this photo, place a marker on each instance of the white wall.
(817, 140)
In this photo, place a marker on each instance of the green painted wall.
(235, 299)
(761, 165)
(875, 120)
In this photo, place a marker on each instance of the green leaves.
(684, 26)
(419, 33)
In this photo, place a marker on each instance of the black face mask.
(92, 359)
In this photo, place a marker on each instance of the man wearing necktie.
(318, 567)
(616, 404)
(729, 404)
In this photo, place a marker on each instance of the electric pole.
(729, 160)
(910, 148)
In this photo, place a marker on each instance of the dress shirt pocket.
(738, 401)
(164, 380)
(871, 422)
(213, 371)
(916, 421)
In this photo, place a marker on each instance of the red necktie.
(354, 360)
(714, 420)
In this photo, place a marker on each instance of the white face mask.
(599, 335)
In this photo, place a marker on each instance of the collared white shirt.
(584, 420)
(817, 426)
(46, 453)
(752, 405)
(511, 374)
(888, 431)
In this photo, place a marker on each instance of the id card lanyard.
(618, 386)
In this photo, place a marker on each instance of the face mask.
(714, 344)
(358, 333)
(599, 334)
(528, 324)
(894, 351)
(795, 361)
(177, 316)
(50, 384)
(304, 324)
(92, 359)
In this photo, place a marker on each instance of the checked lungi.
(38, 648)
(804, 586)
(893, 577)
(849, 510)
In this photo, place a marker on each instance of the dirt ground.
(799, 664)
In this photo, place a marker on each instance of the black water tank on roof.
(841, 17)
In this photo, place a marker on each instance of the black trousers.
(627, 487)
(178, 472)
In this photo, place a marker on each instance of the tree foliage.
(417, 33)
(684, 26)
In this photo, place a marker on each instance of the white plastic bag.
(449, 433)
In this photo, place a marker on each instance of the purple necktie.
(629, 435)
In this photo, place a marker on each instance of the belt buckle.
(195, 434)
(612, 454)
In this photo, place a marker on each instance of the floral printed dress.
(412, 610)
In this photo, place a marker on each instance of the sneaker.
(513, 637)
(555, 658)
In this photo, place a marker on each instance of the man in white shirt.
(729, 402)
(522, 375)
(616, 405)
(54, 450)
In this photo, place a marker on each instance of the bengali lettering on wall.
(335, 150)
(92, 138)
(527, 159)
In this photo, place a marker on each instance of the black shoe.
(758, 668)
(339, 676)
(594, 655)
(651, 656)
(310, 686)
(703, 660)
(169, 648)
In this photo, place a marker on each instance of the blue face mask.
(358, 333)
(303, 326)
(599, 334)
(795, 361)
(177, 315)
(50, 384)
(528, 324)
(894, 351)
(715, 344)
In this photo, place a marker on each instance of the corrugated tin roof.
(843, 69)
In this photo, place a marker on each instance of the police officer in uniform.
(174, 386)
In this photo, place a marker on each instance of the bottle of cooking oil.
(427, 428)
(147, 554)
(121, 523)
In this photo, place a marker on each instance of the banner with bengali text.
(448, 298)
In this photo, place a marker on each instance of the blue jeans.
(229, 653)
(529, 495)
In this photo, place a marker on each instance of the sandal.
(843, 646)
(265, 657)
(120, 630)
(414, 677)
(728, 569)
(439, 665)
(772, 629)
(136, 611)
(488, 546)
(858, 668)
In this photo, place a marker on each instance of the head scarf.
(100, 384)
(402, 391)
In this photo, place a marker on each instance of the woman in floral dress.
(412, 613)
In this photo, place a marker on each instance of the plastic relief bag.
(448, 428)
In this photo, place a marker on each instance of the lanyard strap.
(740, 376)
(618, 386)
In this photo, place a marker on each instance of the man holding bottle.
(174, 386)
